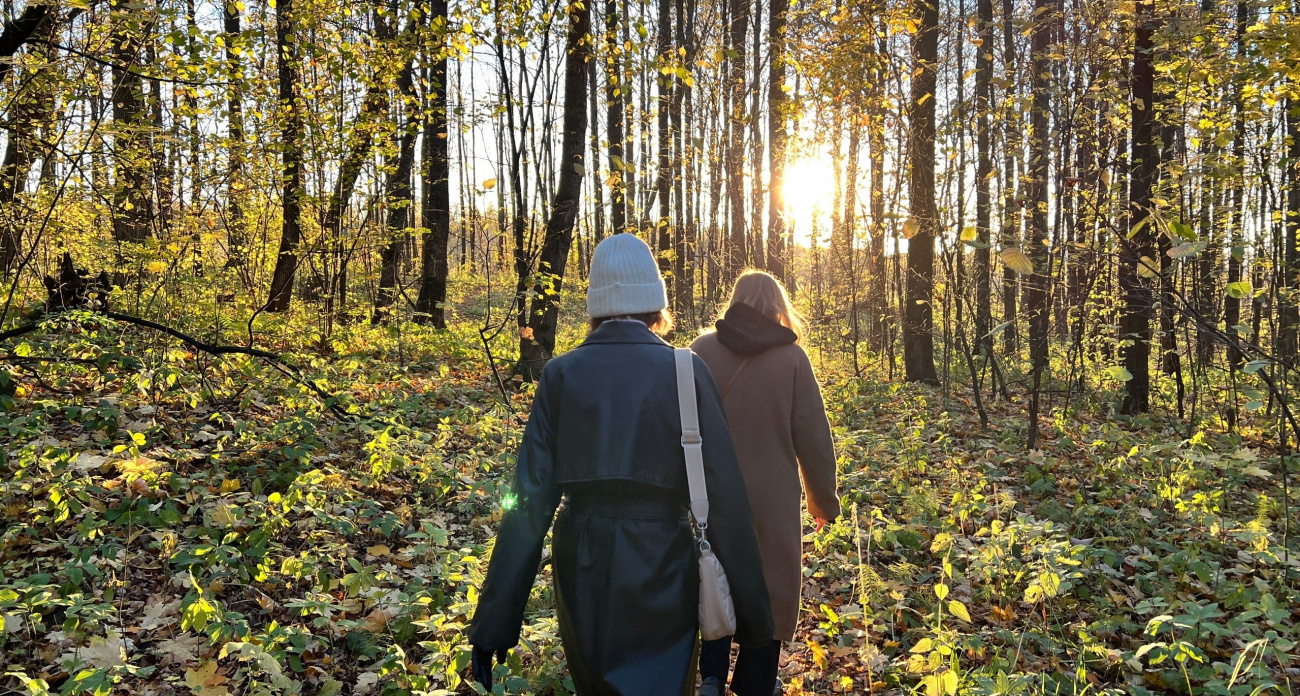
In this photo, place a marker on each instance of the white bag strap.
(692, 443)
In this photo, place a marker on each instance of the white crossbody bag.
(717, 612)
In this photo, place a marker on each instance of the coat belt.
(625, 507)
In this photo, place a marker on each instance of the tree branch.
(280, 364)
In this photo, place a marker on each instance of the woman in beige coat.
(778, 426)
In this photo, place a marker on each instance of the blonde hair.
(762, 291)
(660, 322)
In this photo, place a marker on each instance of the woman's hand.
(481, 664)
(820, 523)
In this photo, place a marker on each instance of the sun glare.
(809, 191)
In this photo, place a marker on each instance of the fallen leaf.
(223, 516)
(819, 655)
(87, 461)
(376, 620)
(104, 653)
(159, 612)
(205, 681)
(378, 550)
(181, 649)
(366, 682)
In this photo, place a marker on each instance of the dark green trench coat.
(604, 439)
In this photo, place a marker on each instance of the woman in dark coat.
(604, 438)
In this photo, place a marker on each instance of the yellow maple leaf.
(204, 681)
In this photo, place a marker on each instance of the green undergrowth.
(177, 523)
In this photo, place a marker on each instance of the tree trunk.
(663, 175)
(777, 136)
(983, 173)
(1036, 240)
(13, 177)
(878, 300)
(132, 132)
(736, 30)
(537, 348)
(683, 239)
(1289, 338)
(17, 32)
(918, 314)
(399, 192)
(236, 233)
(757, 255)
(1011, 213)
(1036, 282)
(615, 93)
(360, 139)
(286, 260)
(845, 261)
(597, 187)
(1236, 257)
(163, 147)
(29, 111)
(435, 214)
(1139, 248)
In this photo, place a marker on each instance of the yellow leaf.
(949, 682)
(924, 645)
(489, 184)
(229, 485)
(378, 550)
(941, 591)
(911, 228)
(819, 654)
(223, 516)
(1148, 267)
(1006, 615)
(205, 681)
(1017, 261)
(958, 610)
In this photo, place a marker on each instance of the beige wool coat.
(779, 428)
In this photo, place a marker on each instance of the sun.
(809, 192)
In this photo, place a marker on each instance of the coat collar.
(623, 332)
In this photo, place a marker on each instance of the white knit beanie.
(624, 279)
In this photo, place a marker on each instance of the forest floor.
(178, 523)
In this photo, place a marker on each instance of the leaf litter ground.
(175, 524)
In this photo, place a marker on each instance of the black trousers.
(756, 666)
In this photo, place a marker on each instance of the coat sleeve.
(731, 523)
(523, 529)
(813, 444)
